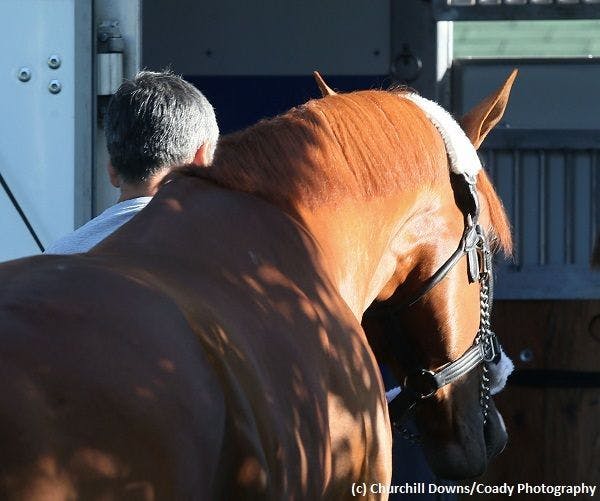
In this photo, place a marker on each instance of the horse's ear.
(482, 119)
(323, 87)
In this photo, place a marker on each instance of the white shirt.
(97, 229)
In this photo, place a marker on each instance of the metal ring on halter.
(423, 384)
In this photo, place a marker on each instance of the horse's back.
(105, 389)
(236, 341)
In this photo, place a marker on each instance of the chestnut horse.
(212, 347)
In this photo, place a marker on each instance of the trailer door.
(45, 130)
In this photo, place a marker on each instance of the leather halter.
(424, 383)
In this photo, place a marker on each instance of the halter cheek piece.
(422, 383)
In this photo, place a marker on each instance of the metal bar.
(84, 113)
(595, 198)
(544, 139)
(543, 220)
(20, 212)
(554, 378)
(582, 202)
(540, 282)
(569, 212)
(517, 208)
(511, 62)
(444, 12)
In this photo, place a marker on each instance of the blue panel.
(555, 209)
(243, 100)
(530, 205)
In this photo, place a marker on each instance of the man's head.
(154, 122)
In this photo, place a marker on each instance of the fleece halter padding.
(462, 155)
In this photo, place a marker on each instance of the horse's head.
(435, 307)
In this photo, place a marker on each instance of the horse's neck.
(355, 238)
(193, 224)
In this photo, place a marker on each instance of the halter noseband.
(424, 383)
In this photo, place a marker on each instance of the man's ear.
(482, 119)
(201, 157)
(113, 175)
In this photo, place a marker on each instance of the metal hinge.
(109, 59)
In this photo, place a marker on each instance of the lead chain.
(482, 336)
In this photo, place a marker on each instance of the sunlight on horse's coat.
(144, 392)
(48, 482)
(95, 462)
(251, 474)
(167, 365)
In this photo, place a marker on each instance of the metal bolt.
(24, 74)
(526, 355)
(54, 61)
(54, 86)
(406, 66)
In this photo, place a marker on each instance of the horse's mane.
(363, 144)
(502, 237)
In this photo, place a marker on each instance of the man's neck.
(149, 188)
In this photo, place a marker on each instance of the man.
(154, 122)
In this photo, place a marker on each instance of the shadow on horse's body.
(212, 348)
(110, 342)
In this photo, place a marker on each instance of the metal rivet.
(526, 355)
(24, 74)
(54, 61)
(54, 86)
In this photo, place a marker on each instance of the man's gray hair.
(156, 121)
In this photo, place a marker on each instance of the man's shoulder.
(98, 228)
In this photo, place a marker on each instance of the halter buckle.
(490, 348)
